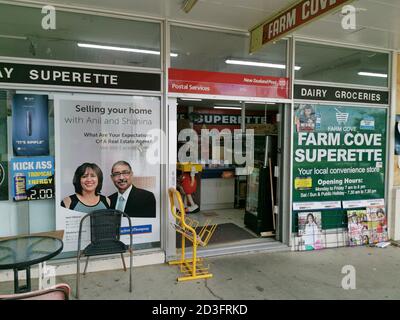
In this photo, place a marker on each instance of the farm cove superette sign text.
(340, 144)
(290, 19)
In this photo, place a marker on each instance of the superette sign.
(339, 153)
(18, 73)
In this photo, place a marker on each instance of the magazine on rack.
(377, 225)
(310, 231)
(358, 227)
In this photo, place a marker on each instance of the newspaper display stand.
(192, 268)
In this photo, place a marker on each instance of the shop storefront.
(321, 126)
(340, 151)
(68, 105)
(237, 129)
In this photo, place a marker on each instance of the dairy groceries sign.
(340, 94)
(290, 19)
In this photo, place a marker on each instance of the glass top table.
(21, 253)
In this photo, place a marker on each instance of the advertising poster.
(339, 154)
(108, 147)
(310, 231)
(32, 178)
(3, 180)
(30, 135)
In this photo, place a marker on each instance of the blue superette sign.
(32, 178)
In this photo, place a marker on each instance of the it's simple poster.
(30, 125)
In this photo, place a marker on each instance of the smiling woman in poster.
(88, 181)
(312, 234)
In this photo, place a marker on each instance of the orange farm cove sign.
(290, 19)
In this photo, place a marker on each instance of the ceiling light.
(188, 5)
(6, 36)
(259, 64)
(229, 108)
(190, 99)
(373, 74)
(97, 46)
(260, 102)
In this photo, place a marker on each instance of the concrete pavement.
(258, 276)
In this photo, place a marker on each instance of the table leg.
(27, 286)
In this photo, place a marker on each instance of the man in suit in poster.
(135, 202)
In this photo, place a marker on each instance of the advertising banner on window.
(108, 156)
(339, 157)
(30, 136)
(32, 178)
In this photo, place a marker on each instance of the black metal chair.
(105, 226)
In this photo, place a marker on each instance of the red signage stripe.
(233, 84)
(221, 77)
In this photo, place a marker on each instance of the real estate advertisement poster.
(339, 153)
(30, 136)
(32, 178)
(92, 134)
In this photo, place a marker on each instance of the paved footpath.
(258, 276)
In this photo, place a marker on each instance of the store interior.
(233, 184)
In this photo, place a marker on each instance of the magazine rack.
(192, 268)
